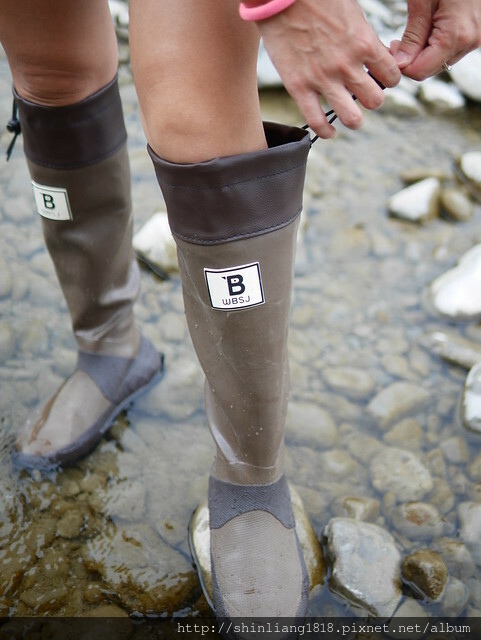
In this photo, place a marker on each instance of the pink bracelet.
(263, 11)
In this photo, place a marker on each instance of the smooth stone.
(406, 434)
(474, 469)
(455, 598)
(71, 524)
(466, 74)
(418, 521)
(401, 103)
(357, 508)
(417, 203)
(455, 349)
(126, 501)
(456, 204)
(455, 450)
(471, 400)
(6, 280)
(416, 174)
(145, 573)
(441, 97)
(356, 383)
(470, 528)
(468, 169)
(457, 558)
(401, 473)
(311, 425)
(41, 600)
(7, 341)
(365, 565)
(155, 245)
(426, 572)
(456, 293)
(310, 547)
(397, 401)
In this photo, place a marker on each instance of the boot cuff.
(240, 196)
(76, 135)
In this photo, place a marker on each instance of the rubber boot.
(235, 221)
(77, 158)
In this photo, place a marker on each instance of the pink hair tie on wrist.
(263, 11)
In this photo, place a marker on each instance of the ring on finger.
(446, 66)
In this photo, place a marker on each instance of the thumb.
(416, 33)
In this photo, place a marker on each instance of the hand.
(320, 48)
(437, 32)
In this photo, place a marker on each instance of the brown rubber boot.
(235, 221)
(77, 158)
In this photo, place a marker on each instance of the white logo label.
(235, 288)
(52, 202)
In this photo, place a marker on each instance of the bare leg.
(194, 66)
(59, 53)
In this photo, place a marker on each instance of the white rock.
(120, 12)
(417, 203)
(470, 165)
(366, 565)
(401, 473)
(401, 103)
(155, 244)
(441, 97)
(466, 74)
(457, 293)
(470, 529)
(471, 400)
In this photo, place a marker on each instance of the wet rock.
(426, 572)
(470, 528)
(468, 169)
(401, 473)
(356, 383)
(417, 203)
(155, 245)
(365, 565)
(71, 524)
(7, 342)
(125, 501)
(401, 103)
(146, 574)
(311, 425)
(406, 434)
(471, 400)
(416, 174)
(396, 401)
(40, 599)
(358, 508)
(455, 349)
(455, 598)
(466, 74)
(441, 97)
(456, 204)
(456, 293)
(457, 558)
(455, 450)
(418, 521)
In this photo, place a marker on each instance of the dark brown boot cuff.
(240, 196)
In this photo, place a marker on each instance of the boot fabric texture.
(235, 220)
(78, 162)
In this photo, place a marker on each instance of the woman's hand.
(323, 48)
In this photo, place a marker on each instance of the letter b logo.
(235, 284)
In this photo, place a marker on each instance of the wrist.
(258, 10)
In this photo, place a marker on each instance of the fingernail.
(402, 58)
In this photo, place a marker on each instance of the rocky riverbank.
(377, 444)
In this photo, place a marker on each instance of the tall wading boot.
(77, 158)
(235, 221)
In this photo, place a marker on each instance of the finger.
(314, 115)
(368, 91)
(346, 109)
(428, 63)
(384, 68)
(416, 33)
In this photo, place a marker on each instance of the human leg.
(233, 191)
(63, 65)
